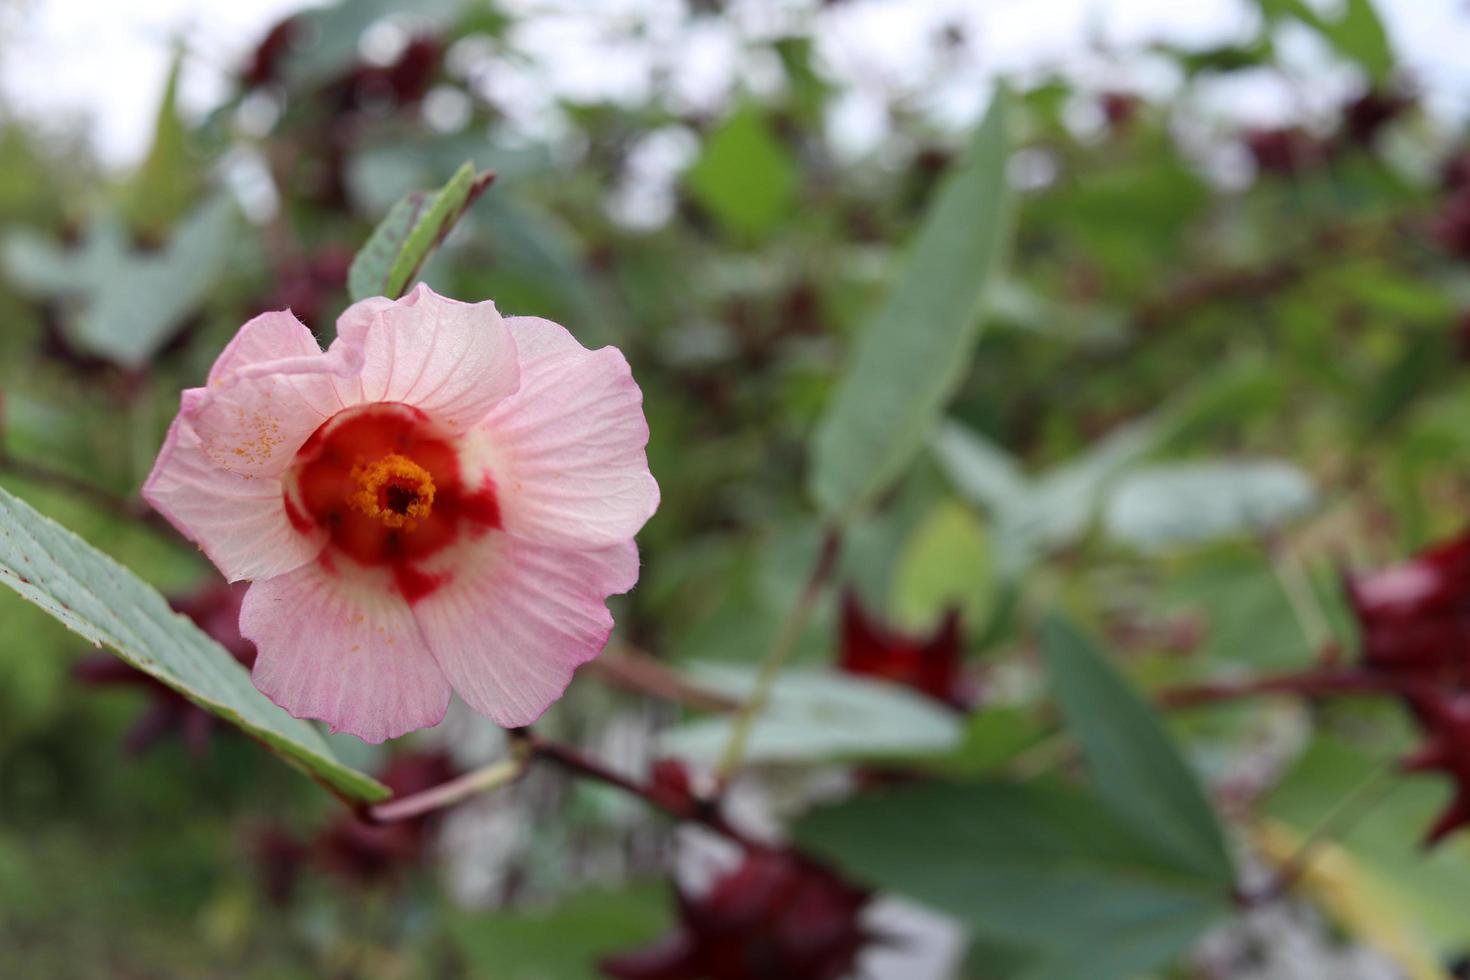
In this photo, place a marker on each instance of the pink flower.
(443, 499)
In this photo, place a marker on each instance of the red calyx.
(778, 916)
(1415, 616)
(1284, 151)
(372, 852)
(932, 665)
(1415, 622)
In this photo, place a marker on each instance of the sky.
(105, 62)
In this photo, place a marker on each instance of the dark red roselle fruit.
(933, 664)
(1415, 616)
(1284, 151)
(363, 853)
(1415, 623)
(777, 916)
(367, 852)
(1364, 116)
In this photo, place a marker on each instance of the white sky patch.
(105, 62)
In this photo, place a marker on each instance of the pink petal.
(567, 449)
(453, 360)
(343, 649)
(515, 619)
(258, 410)
(239, 521)
(268, 337)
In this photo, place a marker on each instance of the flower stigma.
(395, 490)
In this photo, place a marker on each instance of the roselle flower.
(1415, 616)
(932, 664)
(216, 610)
(778, 916)
(442, 500)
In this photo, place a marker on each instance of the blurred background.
(1243, 233)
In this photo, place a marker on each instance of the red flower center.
(386, 484)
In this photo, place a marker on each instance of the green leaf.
(401, 243)
(124, 304)
(914, 351)
(946, 563)
(744, 177)
(1357, 32)
(1034, 516)
(817, 715)
(1043, 868)
(1160, 506)
(94, 596)
(1132, 760)
(171, 177)
(1424, 889)
(565, 941)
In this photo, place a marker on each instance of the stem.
(680, 806)
(781, 649)
(481, 780)
(1312, 683)
(633, 670)
(525, 748)
(1296, 584)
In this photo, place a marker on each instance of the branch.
(526, 747)
(636, 671)
(1310, 684)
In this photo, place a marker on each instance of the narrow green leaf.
(170, 177)
(94, 596)
(399, 246)
(1133, 762)
(1041, 869)
(914, 351)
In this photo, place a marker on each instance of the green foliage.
(1355, 31)
(946, 563)
(565, 941)
(744, 177)
(1160, 506)
(94, 596)
(402, 242)
(124, 304)
(1132, 761)
(816, 715)
(1070, 890)
(912, 353)
(171, 178)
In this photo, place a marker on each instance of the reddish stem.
(1311, 684)
(680, 806)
